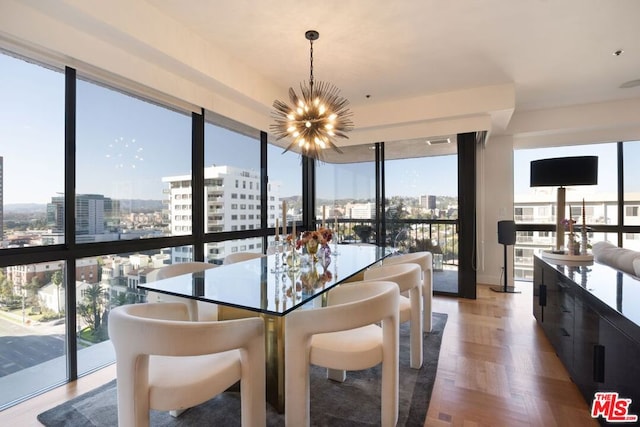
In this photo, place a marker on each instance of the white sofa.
(625, 260)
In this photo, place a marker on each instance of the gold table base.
(274, 351)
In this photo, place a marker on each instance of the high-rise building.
(232, 203)
(92, 211)
(428, 201)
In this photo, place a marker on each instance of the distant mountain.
(138, 205)
(135, 205)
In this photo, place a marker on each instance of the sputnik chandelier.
(316, 118)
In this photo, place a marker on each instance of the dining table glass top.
(258, 286)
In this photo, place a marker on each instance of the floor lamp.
(561, 172)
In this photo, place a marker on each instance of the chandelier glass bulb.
(315, 118)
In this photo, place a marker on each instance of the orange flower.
(322, 236)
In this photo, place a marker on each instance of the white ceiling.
(556, 52)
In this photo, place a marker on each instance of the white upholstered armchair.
(166, 362)
(425, 260)
(344, 336)
(408, 277)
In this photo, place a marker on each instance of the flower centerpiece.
(312, 241)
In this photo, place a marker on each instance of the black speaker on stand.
(506, 237)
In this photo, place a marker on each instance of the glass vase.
(312, 249)
(293, 258)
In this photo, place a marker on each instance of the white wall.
(495, 203)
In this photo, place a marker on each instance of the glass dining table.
(267, 287)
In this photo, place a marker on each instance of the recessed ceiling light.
(630, 83)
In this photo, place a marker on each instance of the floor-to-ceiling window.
(421, 203)
(126, 150)
(346, 192)
(607, 213)
(420, 206)
(32, 151)
(32, 304)
(285, 185)
(631, 183)
(233, 188)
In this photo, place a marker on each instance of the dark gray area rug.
(356, 402)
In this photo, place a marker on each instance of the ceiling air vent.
(438, 141)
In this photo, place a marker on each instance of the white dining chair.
(344, 336)
(240, 256)
(425, 260)
(408, 277)
(198, 310)
(166, 362)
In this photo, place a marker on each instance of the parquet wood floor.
(497, 367)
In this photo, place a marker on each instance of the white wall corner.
(494, 203)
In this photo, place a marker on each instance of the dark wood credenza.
(591, 316)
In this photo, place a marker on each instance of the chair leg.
(427, 296)
(415, 344)
(297, 388)
(338, 375)
(177, 412)
(390, 376)
(253, 392)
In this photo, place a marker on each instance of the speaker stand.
(505, 289)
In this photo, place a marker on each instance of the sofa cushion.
(622, 259)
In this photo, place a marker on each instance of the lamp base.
(562, 256)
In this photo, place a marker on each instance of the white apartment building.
(121, 275)
(360, 210)
(232, 203)
(540, 208)
(53, 297)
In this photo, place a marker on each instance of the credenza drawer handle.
(543, 295)
(598, 363)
